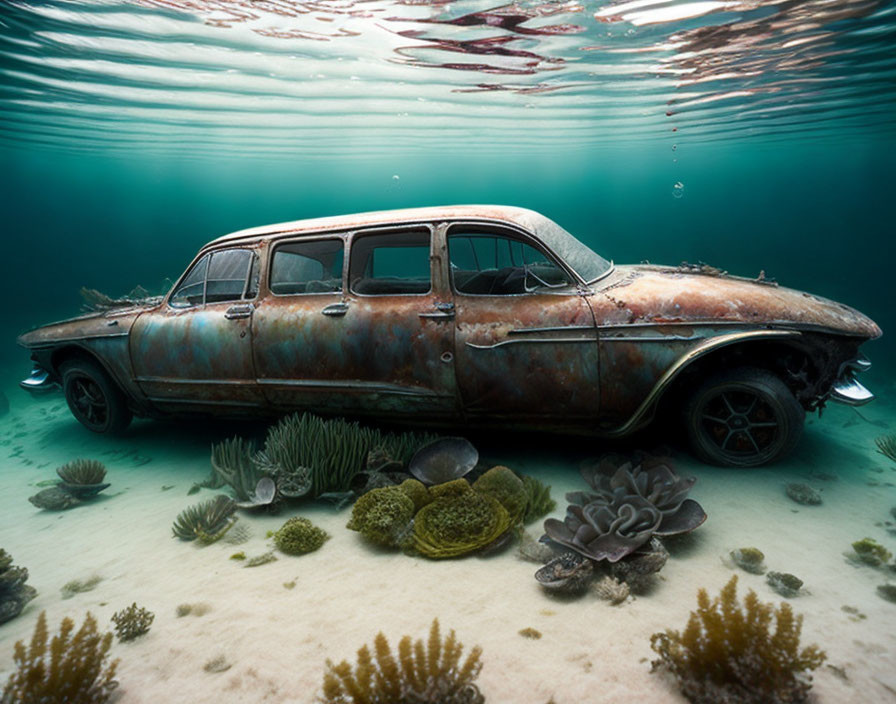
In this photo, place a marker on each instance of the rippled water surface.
(333, 76)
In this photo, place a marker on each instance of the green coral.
(383, 516)
(506, 488)
(727, 652)
(132, 622)
(538, 500)
(207, 521)
(429, 673)
(417, 492)
(299, 536)
(458, 521)
(871, 552)
(82, 472)
(74, 669)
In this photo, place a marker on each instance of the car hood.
(109, 323)
(685, 294)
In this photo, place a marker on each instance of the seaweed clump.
(727, 652)
(299, 536)
(886, 445)
(383, 516)
(132, 622)
(422, 674)
(207, 521)
(82, 478)
(871, 552)
(14, 593)
(74, 669)
(538, 499)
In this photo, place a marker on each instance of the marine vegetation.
(82, 478)
(259, 560)
(886, 445)
(458, 520)
(751, 560)
(784, 583)
(299, 536)
(383, 516)
(871, 552)
(727, 652)
(428, 673)
(79, 586)
(207, 521)
(132, 622)
(14, 593)
(232, 465)
(74, 669)
(443, 460)
(507, 489)
(631, 502)
(538, 500)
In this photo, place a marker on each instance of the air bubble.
(678, 189)
(396, 177)
(674, 147)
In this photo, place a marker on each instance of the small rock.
(784, 584)
(53, 499)
(569, 573)
(803, 494)
(888, 592)
(749, 559)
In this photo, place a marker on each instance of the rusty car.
(462, 316)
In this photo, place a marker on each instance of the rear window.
(393, 263)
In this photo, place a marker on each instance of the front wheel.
(743, 417)
(93, 398)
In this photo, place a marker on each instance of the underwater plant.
(74, 670)
(871, 552)
(459, 520)
(506, 488)
(79, 586)
(538, 499)
(232, 465)
(429, 673)
(132, 622)
(727, 652)
(82, 478)
(886, 445)
(299, 536)
(14, 593)
(207, 521)
(383, 516)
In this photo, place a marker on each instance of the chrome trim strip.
(558, 328)
(695, 352)
(851, 392)
(371, 386)
(170, 380)
(57, 340)
(206, 402)
(514, 342)
(650, 338)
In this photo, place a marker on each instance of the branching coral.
(132, 622)
(74, 670)
(207, 521)
(727, 652)
(299, 536)
(422, 674)
(14, 593)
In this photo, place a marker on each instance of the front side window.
(484, 262)
(307, 267)
(391, 263)
(227, 275)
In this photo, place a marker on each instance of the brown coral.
(727, 654)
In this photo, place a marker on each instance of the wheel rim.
(741, 424)
(89, 400)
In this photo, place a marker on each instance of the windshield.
(582, 259)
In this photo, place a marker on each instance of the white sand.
(277, 639)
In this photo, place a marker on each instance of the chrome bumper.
(38, 382)
(849, 391)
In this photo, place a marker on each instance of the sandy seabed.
(277, 639)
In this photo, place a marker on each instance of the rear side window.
(228, 275)
(391, 263)
(307, 267)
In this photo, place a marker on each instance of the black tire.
(743, 417)
(93, 398)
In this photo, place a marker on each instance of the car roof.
(506, 213)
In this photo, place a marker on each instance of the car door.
(357, 334)
(525, 339)
(196, 348)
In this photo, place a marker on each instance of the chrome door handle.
(445, 312)
(241, 311)
(336, 309)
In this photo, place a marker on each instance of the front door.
(196, 349)
(525, 340)
(361, 334)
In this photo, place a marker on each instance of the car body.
(457, 316)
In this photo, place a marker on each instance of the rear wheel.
(743, 417)
(93, 398)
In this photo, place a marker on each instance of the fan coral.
(423, 674)
(207, 522)
(82, 478)
(132, 622)
(14, 593)
(458, 521)
(538, 500)
(505, 487)
(871, 552)
(727, 653)
(383, 516)
(74, 670)
(298, 536)
(886, 445)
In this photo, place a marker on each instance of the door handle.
(336, 309)
(445, 312)
(240, 311)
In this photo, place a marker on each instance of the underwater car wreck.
(462, 315)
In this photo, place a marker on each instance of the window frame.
(387, 230)
(254, 257)
(317, 237)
